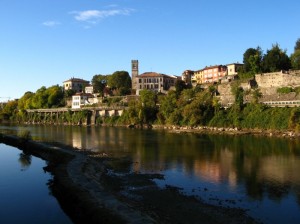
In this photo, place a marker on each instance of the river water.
(258, 174)
(24, 194)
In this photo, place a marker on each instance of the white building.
(82, 99)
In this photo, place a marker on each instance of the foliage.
(295, 60)
(275, 60)
(51, 97)
(9, 110)
(285, 90)
(252, 59)
(99, 82)
(24, 136)
(256, 95)
(180, 85)
(120, 81)
(297, 45)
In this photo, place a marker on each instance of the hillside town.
(220, 75)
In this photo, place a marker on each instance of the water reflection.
(260, 168)
(24, 160)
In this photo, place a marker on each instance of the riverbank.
(98, 188)
(228, 131)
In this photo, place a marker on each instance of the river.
(258, 174)
(25, 196)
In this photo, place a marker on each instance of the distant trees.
(273, 60)
(51, 97)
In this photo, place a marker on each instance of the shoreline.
(89, 193)
(228, 131)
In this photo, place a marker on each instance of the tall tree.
(297, 45)
(275, 60)
(252, 59)
(121, 82)
(295, 57)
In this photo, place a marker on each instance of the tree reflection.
(24, 160)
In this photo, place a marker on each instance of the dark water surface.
(24, 194)
(259, 174)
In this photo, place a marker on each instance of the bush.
(24, 136)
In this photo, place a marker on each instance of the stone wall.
(278, 79)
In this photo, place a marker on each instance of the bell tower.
(134, 74)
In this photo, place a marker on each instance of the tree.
(121, 82)
(295, 60)
(295, 57)
(99, 82)
(168, 105)
(180, 85)
(24, 101)
(148, 108)
(275, 60)
(252, 59)
(9, 110)
(297, 45)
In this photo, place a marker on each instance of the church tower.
(134, 74)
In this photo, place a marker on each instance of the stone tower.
(134, 74)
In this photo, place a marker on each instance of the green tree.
(9, 110)
(120, 81)
(148, 108)
(295, 60)
(256, 95)
(275, 60)
(180, 85)
(295, 57)
(297, 45)
(252, 59)
(168, 104)
(24, 101)
(99, 82)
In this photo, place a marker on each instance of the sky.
(46, 42)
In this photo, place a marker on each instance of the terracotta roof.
(154, 74)
(76, 80)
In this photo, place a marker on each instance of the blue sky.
(45, 42)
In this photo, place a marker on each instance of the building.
(156, 82)
(75, 84)
(89, 89)
(214, 73)
(232, 69)
(188, 77)
(199, 76)
(82, 99)
(134, 74)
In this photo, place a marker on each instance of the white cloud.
(51, 23)
(93, 16)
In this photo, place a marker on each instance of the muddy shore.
(99, 188)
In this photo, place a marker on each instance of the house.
(75, 84)
(232, 69)
(89, 89)
(82, 99)
(188, 77)
(157, 82)
(199, 74)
